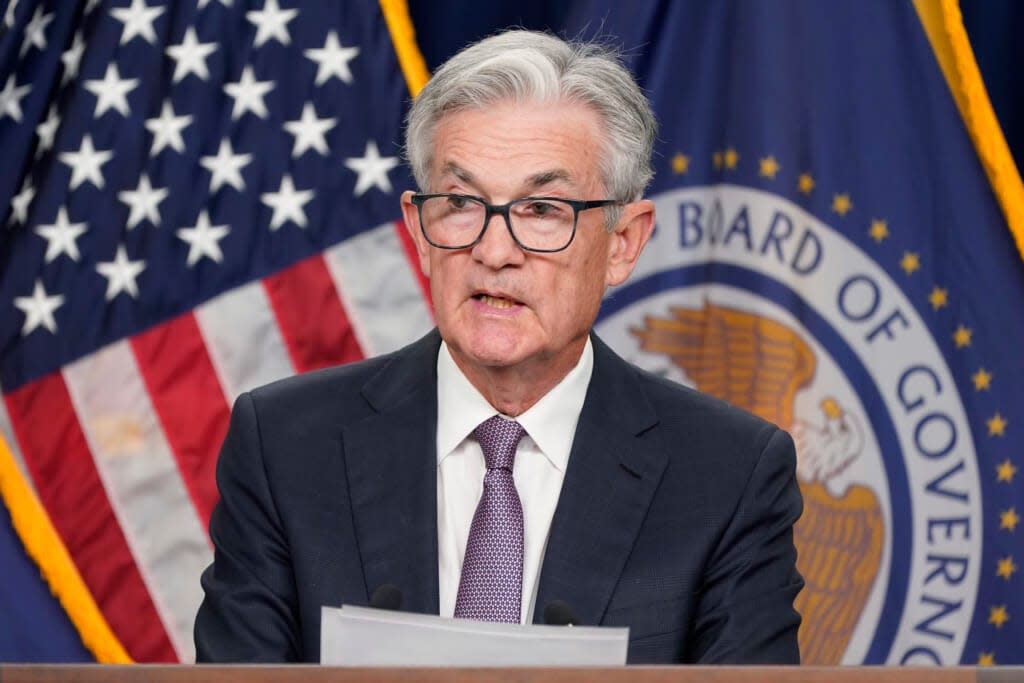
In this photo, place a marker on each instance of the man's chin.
(493, 358)
(490, 352)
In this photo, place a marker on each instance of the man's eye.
(542, 209)
(458, 202)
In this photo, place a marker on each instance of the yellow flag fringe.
(45, 547)
(403, 37)
(944, 25)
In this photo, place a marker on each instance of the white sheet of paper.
(362, 636)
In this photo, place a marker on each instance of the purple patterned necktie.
(491, 585)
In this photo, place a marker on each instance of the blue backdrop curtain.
(33, 626)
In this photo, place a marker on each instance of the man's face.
(501, 308)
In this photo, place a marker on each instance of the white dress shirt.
(541, 459)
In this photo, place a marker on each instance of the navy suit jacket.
(675, 516)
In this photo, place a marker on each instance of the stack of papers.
(362, 636)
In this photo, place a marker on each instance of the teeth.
(496, 301)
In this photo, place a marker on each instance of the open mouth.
(495, 301)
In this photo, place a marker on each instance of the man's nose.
(497, 247)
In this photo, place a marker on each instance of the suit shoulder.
(668, 392)
(713, 441)
(344, 382)
(708, 423)
(317, 384)
(686, 412)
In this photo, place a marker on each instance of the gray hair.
(530, 66)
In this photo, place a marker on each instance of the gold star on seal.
(997, 615)
(731, 158)
(841, 203)
(910, 262)
(769, 167)
(805, 183)
(1005, 471)
(987, 659)
(1008, 519)
(962, 337)
(680, 163)
(879, 230)
(939, 297)
(1005, 568)
(996, 425)
(982, 379)
(716, 160)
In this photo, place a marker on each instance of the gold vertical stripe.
(45, 547)
(403, 37)
(945, 28)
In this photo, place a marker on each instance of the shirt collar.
(550, 422)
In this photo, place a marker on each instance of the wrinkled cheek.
(443, 321)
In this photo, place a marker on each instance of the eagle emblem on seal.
(761, 365)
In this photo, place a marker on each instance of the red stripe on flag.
(414, 261)
(190, 401)
(309, 312)
(65, 476)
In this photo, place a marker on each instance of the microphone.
(387, 597)
(558, 613)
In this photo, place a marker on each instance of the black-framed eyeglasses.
(544, 224)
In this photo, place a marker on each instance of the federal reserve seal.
(744, 295)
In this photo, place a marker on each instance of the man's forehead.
(526, 144)
(535, 179)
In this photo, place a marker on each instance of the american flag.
(198, 197)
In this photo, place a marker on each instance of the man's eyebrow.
(547, 177)
(459, 172)
(537, 180)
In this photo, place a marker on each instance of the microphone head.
(558, 613)
(386, 597)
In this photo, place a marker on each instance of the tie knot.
(498, 438)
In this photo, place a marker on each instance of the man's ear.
(412, 223)
(627, 240)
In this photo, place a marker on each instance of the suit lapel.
(613, 472)
(391, 463)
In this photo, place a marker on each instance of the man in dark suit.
(509, 459)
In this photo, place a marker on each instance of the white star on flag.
(287, 204)
(143, 202)
(248, 94)
(138, 21)
(38, 309)
(204, 3)
(226, 167)
(309, 131)
(190, 56)
(35, 31)
(121, 274)
(47, 131)
(203, 239)
(21, 202)
(271, 22)
(61, 237)
(372, 169)
(332, 59)
(72, 58)
(86, 163)
(9, 14)
(112, 91)
(10, 99)
(166, 130)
